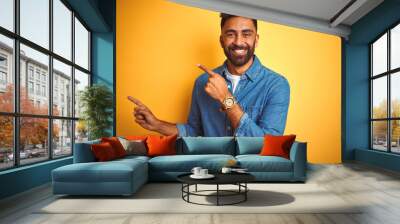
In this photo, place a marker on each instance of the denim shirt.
(262, 94)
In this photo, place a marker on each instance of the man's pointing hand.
(216, 85)
(143, 116)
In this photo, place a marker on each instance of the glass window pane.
(395, 94)
(395, 136)
(379, 100)
(81, 45)
(62, 138)
(379, 55)
(34, 79)
(6, 142)
(81, 131)
(62, 89)
(7, 14)
(62, 29)
(33, 140)
(81, 81)
(395, 47)
(34, 16)
(6, 74)
(379, 135)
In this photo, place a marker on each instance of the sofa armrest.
(83, 152)
(298, 155)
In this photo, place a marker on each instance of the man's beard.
(239, 60)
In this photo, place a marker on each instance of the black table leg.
(245, 193)
(217, 194)
(188, 189)
(182, 190)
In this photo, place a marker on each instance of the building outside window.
(55, 94)
(3, 78)
(44, 77)
(38, 89)
(30, 87)
(3, 60)
(37, 75)
(30, 72)
(3, 71)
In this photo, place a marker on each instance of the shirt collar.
(251, 72)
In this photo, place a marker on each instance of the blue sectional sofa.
(125, 176)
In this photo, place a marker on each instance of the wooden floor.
(354, 182)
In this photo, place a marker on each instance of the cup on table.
(226, 170)
(196, 171)
(203, 172)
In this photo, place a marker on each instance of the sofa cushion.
(277, 145)
(134, 147)
(249, 145)
(257, 163)
(208, 145)
(111, 171)
(135, 137)
(116, 145)
(161, 145)
(103, 152)
(185, 163)
(133, 158)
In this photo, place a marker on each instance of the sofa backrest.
(191, 146)
(206, 145)
(83, 152)
(249, 145)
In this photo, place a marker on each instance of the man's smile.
(239, 52)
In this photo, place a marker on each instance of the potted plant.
(96, 102)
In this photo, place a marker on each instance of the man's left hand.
(216, 86)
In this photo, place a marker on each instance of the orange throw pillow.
(161, 145)
(116, 145)
(135, 137)
(277, 145)
(103, 152)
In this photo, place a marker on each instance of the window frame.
(388, 74)
(16, 114)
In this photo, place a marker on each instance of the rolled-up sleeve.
(273, 114)
(193, 127)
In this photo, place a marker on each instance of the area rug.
(167, 198)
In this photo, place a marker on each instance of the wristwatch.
(228, 103)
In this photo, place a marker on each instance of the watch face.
(229, 102)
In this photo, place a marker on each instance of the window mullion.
(371, 140)
(389, 106)
(73, 82)
(50, 77)
(16, 85)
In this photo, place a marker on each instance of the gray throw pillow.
(134, 147)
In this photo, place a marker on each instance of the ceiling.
(326, 16)
(98, 15)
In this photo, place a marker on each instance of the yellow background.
(160, 42)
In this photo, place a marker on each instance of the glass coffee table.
(238, 179)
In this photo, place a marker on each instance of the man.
(239, 98)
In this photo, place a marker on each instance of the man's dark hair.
(225, 17)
